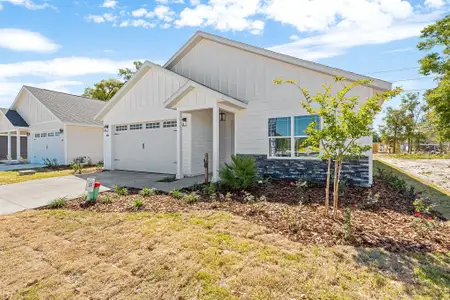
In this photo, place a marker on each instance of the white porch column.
(179, 145)
(9, 147)
(216, 133)
(18, 145)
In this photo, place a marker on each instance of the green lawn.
(9, 177)
(439, 197)
(202, 255)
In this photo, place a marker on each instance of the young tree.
(127, 73)
(393, 129)
(437, 37)
(345, 120)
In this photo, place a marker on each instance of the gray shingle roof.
(14, 117)
(69, 108)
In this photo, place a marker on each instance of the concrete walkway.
(5, 167)
(36, 193)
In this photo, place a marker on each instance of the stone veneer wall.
(356, 170)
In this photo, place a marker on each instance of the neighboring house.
(57, 126)
(217, 96)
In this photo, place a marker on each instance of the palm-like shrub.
(240, 174)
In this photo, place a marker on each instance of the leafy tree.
(345, 121)
(393, 129)
(414, 115)
(437, 37)
(107, 88)
(126, 73)
(103, 90)
(376, 137)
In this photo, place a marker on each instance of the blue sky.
(68, 45)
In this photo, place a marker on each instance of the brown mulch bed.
(298, 214)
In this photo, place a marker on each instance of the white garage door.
(46, 145)
(146, 147)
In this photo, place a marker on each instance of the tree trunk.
(327, 191)
(335, 187)
(395, 142)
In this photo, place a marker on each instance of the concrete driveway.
(36, 193)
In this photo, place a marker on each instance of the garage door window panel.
(135, 126)
(121, 128)
(170, 124)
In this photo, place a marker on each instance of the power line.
(394, 70)
(410, 79)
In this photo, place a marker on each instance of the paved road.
(36, 193)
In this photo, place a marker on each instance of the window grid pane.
(302, 150)
(280, 147)
(280, 126)
(169, 124)
(135, 126)
(301, 123)
(51, 134)
(153, 125)
(121, 128)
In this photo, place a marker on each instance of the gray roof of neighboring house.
(14, 117)
(69, 108)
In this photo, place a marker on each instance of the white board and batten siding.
(41, 120)
(146, 149)
(84, 141)
(5, 124)
(249, 76)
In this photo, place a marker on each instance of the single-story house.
(217, 96)
(52, 125)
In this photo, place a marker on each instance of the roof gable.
(13, 117)
(200, 35)
(69, 109)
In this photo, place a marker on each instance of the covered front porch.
(13, 145)
(212, 118)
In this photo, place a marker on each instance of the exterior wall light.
(223, 117)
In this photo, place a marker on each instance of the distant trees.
(107, 88)
(393, 129)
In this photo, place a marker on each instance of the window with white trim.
(37, 135)
(44, 134)
(51, 134)
(153, 125)
(170, 124)
(121, 127)
(287, 134)
(135, 126)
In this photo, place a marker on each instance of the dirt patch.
(435, 171)
(380, 216)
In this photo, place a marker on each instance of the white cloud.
(195, 2)
(24, 40)
(170, 1)
(434, 3)
(110, 4)
(223, 15)
(338, 40)
(1, 6)
(137, 23)
(29, 4)
(164, 13)
(106, 17)
(294, 37)
(139, 12)
(398, 50)
(62, 67)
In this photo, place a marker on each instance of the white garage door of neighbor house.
(146, 147)
(46, 145)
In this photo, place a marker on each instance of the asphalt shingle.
(14, 117)
(69, 108)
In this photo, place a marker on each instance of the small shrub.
(176, 194)
(248, 197)
(422, 206)
(301, 187)
(77, 168)
(146, 192)
(210, 191)
(371, 201)
(191, 198)
(57, 203)
(228, 196)
(347, 224)
(107, 200)
(263, 198)
(343, 186)
(50, 162)
(121, 191)
(138, 203)
(240, 174)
